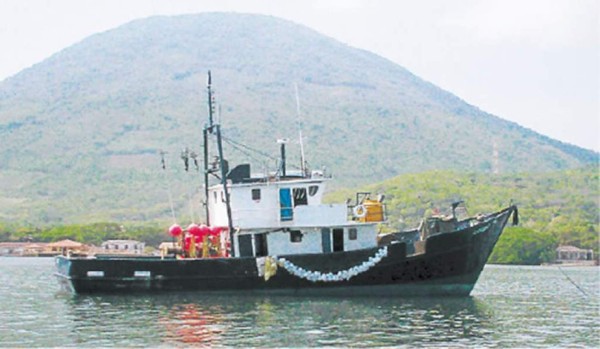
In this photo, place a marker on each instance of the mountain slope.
(82, 129)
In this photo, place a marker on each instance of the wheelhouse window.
(352, 234)
(300, 196)
(295, 236)
(256, 194)
(313, 189)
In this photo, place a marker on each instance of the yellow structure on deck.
(374, 211)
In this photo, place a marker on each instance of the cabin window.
(313, 189)
(222, 196)
(352, 234)
(256, 194)
(215, 195)
(295, 236)
(300, 196)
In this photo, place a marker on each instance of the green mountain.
(81, 131)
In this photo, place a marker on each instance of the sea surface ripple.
(511, 306)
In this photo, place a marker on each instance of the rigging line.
(238, 148)
(244, 152)
(234, 144)
(248, 148)
(573, 282)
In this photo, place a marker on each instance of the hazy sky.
(535, 62)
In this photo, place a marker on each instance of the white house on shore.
(123, 246)
(566, 254)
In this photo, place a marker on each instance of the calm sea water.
(509, 307)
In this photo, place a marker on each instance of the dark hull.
(449, 264)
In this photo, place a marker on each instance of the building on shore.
(566, 254)
(64, 247)
(13, 248)
(35, 248)
(42, 249)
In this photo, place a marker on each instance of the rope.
(241, 150)
(573, 282)
(232, 142)
(239, 147)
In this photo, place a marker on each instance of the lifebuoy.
(359, 211)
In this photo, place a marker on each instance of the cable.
(573, 282)
(238, 146)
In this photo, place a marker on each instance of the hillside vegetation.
(81, 131)
(554, 208)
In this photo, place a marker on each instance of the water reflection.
(190, 323)
(200, 320)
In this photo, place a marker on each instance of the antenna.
(302, 158)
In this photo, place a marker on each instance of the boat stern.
(62, 273)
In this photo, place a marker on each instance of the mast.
(213, 128)
(205, 140)
(211, 99)
(205, 131)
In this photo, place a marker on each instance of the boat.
(272, 233)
